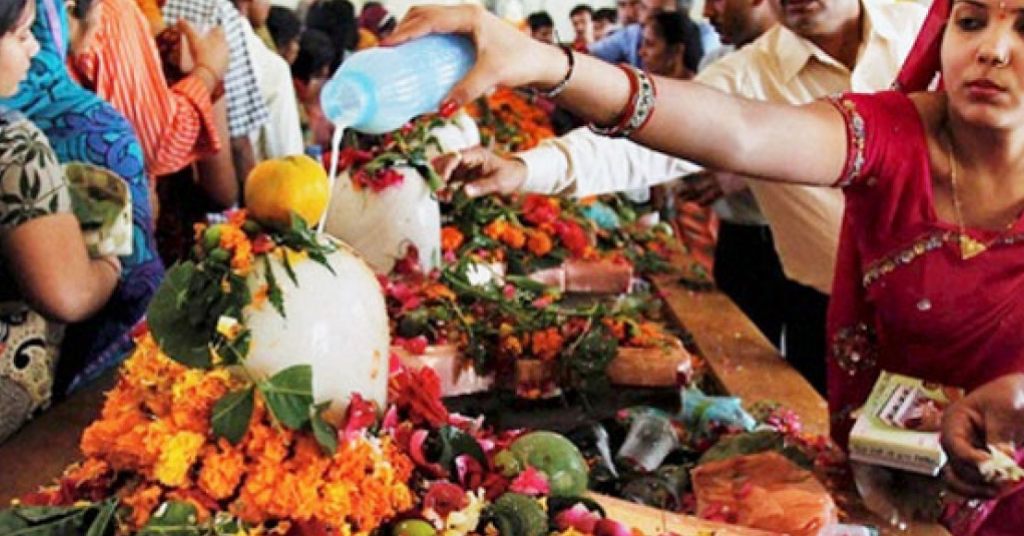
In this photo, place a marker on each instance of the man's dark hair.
(539, 20)
(337, 20)
(581, 8)
(607, 14)
(316, 51)
(677, 28)
(79, 11)
(284, 25)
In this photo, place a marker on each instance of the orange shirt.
(175, 125)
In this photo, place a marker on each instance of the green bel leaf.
(289, 395)
(455, 443)
(89, 520)
(231, 414)
(325, 434)
(173, 518)
(274, 293)
(168, 317)
(103, 523)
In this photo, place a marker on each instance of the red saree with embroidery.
(904, 300)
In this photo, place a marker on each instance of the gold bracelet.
(195, 71)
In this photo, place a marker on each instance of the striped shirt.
(247, 111)
(121, 64)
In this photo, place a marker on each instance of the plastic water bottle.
(380, 89)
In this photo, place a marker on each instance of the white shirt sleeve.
(582, 163)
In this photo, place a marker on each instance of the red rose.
(538, 209)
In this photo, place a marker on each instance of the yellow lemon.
(275, 188)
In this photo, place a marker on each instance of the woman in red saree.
(931, 258)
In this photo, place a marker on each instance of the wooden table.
(746, 365)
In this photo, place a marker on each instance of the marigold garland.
(155, 425)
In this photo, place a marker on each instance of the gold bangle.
(195, 71)
(113, 263)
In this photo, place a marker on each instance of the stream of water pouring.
(332, 177)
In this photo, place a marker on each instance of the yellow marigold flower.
(177, 457)
(511, 346)
(335, 501)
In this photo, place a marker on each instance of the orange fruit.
(276, 188)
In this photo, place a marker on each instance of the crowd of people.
(869, 219)
(178, 101)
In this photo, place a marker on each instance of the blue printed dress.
(82, 127)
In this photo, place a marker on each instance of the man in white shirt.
(820, 47)
(282, 135)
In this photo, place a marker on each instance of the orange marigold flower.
(142, 500)
(194, 396)
(539, 243)
(231, 236)
(451, 238)
(241, 261)
(120, 441)
(222, 469)
(546, 344)
(438, 291)
(649, 335)
(514, 237)
(238, 217)
(268, 442)
(496, 229)
(616, 327)
(198, 229)
(260, 296)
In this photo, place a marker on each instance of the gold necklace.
(969, 247)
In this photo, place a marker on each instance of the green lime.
(251, 228)
(211, 237)
(556, 457)
(220, 255)
(526, 511)
(413, 527)
(627, 214)
(414, 324)
(507, 462)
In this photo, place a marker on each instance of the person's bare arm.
(53, 272)
(216, 173)
(243, 157)
(776, 142)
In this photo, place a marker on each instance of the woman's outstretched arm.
(789, 143)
